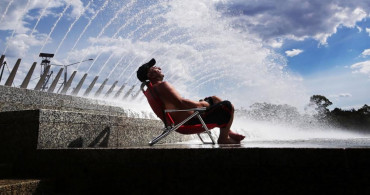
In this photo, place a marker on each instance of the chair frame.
(170, 128)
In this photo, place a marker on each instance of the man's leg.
(227, 136)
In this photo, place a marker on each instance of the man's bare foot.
(227, 141)
(236, 136)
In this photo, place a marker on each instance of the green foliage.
(320, 101)
(347, 119)
(352, 119)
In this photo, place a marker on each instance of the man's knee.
(216, 99)
(227, 104)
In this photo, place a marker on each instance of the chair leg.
(169, 129)
(164, 134)
(201, 139)
(206, 130)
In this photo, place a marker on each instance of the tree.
(320, 104)
(365, 110)
(320, 101)
(353, 119)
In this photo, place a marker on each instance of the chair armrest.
(185, 110)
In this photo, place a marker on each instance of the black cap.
(142, 72)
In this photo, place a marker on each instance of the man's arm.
(169, 95)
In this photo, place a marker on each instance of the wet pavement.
(306, 166)
(300, 143)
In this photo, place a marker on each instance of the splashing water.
(55, 24)
(264, 130)
(115, 35)
(39, 18)
(18, 22)
(71, 26)
(87, 26)
(196, 46)
(108, 24)
(6, 10)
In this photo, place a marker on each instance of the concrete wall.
(46, 129)
(63, 121)
(12, 99)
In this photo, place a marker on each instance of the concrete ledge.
(31, 129)
(24, 187)
(15, 99)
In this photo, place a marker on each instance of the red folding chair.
(169, 125)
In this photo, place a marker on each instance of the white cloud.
(295, 19)
(78, 8)
(293, 52)
(341, 95)
(20, 44)
(368, 30)
(362, 68)
(366, 52)
(344, 89)
(18, 12)
(20, 17)
(275, 43)
(359, 29)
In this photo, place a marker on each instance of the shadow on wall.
(100, 141)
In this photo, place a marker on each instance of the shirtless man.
(220, 112)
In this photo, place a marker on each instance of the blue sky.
(247, 51)
(342, 49)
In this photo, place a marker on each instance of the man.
(218, 111)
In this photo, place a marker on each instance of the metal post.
(55, 82)
(77, 89)
(65, 75)
(2, 65)
(11, 77)
(88, 90)
(2, 59)
(45, 63)
(137, 94)
(119, 91)
(111, 89)
(98, 92)
(129, 92)
(42, 79)
(2, 70)
(68, 84)
(28, 77)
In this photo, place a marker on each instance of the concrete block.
(12, 99)
(49, 100)
(46, 129)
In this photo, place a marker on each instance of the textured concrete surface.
(13, 99)
(67, 121)
(64, 129)
(24, 187)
